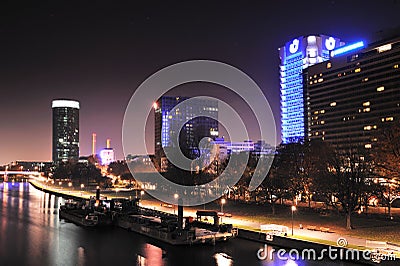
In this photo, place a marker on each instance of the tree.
(349, 177)
(386, 152)
(274, 185)
(386, 158)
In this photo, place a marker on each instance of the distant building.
(235, 147)
(296, 55)
(31, 166)
(65, 130)
(196, 128)
(354, 94)
(107, 154)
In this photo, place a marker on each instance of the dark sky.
(98, 52)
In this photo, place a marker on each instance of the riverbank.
(250, 218)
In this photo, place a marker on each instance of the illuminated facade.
(107, 156)
(354, 94)
(295, 56)
(167, 123)
(65, 130)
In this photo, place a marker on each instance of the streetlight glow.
(293, 209)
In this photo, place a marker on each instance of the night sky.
(98, 52)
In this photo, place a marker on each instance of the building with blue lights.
(354, 94)
(295, 56)
(190, 123)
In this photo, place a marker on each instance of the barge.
(83, 215)
(175, 230)
(169, 228)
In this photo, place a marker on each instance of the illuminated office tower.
(295, 56)
(65, 130)
(196, 128)
(354, 94)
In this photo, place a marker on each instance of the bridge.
(6, 173)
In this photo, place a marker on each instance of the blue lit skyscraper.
(197, 127)
(295, 56)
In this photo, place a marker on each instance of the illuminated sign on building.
(347, 48)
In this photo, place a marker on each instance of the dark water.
(32, 234)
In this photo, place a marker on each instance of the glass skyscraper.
(65, 130)
(295, 56)
(196, 128)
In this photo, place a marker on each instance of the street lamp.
(293, 209)
(176, 196)
(223, 201)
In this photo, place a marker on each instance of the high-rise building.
(195, 128)
(296, 55)
(65, 130)
(354, 94)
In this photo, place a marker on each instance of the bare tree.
(349, 177)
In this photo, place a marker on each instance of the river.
(32, 234)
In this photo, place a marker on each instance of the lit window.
(381, 88)
(322, 122)
(329, 65)
(384, 48)
(366, 110)
(357, 70)
(322, 111)
(367, 128)
(320, 79)
(366, 103)
(365, 80)
(368, 146)
(375, 127)
(389, 118)
(396, 66)
(333, 104)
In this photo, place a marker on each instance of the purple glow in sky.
(99, 52)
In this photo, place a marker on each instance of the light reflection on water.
(32, 234)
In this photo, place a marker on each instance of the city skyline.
(99, 54)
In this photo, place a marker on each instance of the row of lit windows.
(296, 84)
(356, 70)
(317, 81)
(292, 72)
(292, 109)
(292, 59)
(291, 78)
